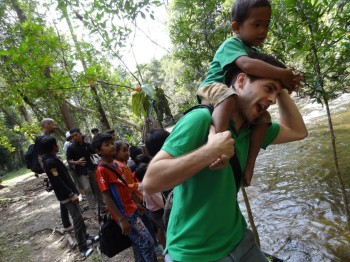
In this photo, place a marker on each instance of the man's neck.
(236, 117)
(46, 133)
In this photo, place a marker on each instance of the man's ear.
(235, 27)
(240, 80)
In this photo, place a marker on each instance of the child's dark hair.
(231, 76)
(241, 8)
(94, 130)
(119, 144)
(142, 159)
(74, 130)
(140, 171)
(134, 152)
(47, 144)
(155, 140)
(98, 140)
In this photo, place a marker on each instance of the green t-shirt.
(205, 222)
(224, 60)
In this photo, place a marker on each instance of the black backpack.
(32, 162)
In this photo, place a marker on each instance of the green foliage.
(197, 28)
(316, 41)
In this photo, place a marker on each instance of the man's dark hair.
(241, 8)
(93, 130)
(47, 144)
(155, 140)
(74, 130)
(134, 151)
(140, 171)
(98, 140)
(231, 76)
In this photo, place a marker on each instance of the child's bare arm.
(260, 68)
(124, 225)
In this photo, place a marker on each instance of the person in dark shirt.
(66, 192)
(79, 158)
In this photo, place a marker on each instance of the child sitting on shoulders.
(250, 23)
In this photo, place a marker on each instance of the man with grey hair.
(47, 126)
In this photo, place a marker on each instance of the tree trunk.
(104, 121)
(25, 114)
(21, 16)
(67, 116)
(336, 165)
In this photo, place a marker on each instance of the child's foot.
(86, 251)
(219, 163)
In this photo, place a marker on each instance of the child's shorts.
(213, 94)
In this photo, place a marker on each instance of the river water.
(295, 196)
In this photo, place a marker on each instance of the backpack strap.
(210, 108)
(115, 172)
(236, 167)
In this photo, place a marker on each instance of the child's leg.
(156, 217)
(78, 224)
(222, 114)
(256, 139)
(220, 96)
(221, 119)
(65, 217)
(141, 238)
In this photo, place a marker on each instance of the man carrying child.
(205, 222)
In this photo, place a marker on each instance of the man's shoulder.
(200, 113)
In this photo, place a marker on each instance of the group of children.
(138, 214)
(126, 203)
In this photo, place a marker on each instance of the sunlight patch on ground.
(15, 180)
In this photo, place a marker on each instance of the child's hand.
(81, 161)
(74, 199)
(297, 82)
(287, 79)
(291, 81)
(125, 226)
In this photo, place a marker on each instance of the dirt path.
(30, 228)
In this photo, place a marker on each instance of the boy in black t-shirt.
(66, 192)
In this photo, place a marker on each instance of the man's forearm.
(166, 172)
(292, 123)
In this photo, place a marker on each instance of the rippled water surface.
(295, 196)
